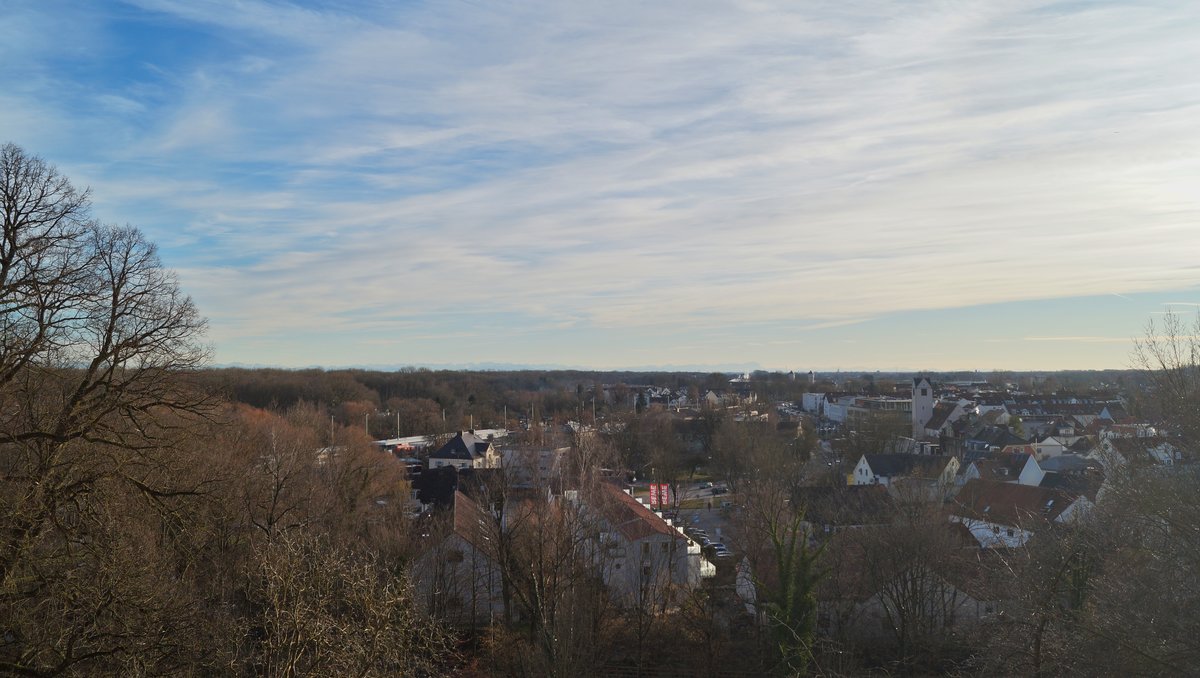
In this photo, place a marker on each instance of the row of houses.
(602, 534)
(740, 391)
(480, 504)
(1020, 468)
(890, 577)
(988, 472)
(994, 495)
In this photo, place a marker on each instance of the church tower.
(922, 405)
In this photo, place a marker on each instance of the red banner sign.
(653, 494)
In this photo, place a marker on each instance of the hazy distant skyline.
(792, 185)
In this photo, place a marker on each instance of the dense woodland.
(158, 517)
(418, 401)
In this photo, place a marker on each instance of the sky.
(777, 185)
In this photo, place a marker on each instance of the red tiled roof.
(1009, 503)
(630, 517)
(470, 522)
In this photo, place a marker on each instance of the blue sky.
(795, 185)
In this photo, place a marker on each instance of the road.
(713, 520)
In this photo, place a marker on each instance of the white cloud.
(682, 164)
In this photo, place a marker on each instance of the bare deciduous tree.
(1168, 354)
(333, 611)
(96, 339)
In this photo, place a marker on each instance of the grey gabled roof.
(891, 465)
(1066, 463)
(941, 412)
(465, 445)
(998, 436)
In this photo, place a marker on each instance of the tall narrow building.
(922, 406)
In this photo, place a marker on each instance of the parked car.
(720, 490)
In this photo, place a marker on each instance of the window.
(1010, 532)
(664, 546)
(645, 548)
(924, 392)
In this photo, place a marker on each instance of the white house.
(985, 408)
(1022, 469)
(945, 414)
(644, 560)
(1115, 453)
(812, 403)
(466, 450)
(1050, 446)
(885, 469)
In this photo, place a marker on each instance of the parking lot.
(714, 520)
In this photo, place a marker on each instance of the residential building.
(643, 558)
(457, 579)
(1006, 515)
(1022, 469)
(886, 469)
(466, 450)
(1115, 453)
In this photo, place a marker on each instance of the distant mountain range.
(512, 367)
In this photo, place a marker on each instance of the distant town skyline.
(792, 186)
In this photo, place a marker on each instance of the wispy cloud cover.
(611, 183)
